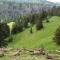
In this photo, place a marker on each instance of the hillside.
(25, 44)
(42, 38)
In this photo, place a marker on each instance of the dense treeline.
(54, 11)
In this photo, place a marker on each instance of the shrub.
(47, 20)
(18, 28)
(31, 30)
(57, 36)
(39, 25)
(4, 30)
(4, 33)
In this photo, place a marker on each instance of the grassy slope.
(38, 38)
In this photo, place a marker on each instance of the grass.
(42, 38)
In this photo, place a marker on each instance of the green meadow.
(42, 38)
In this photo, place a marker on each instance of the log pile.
(17, 52)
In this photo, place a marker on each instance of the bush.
(17, 28)
(57, 36)
(10, 39)
(47, 20)
(4, 30)
(4, 33)
(39, 25)
(31, 30)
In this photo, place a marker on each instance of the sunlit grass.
(40, 38)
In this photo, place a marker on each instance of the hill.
(25, 42)
(42, 38)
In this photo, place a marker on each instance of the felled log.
(48, 56)
(1, 53)
(15, 53)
